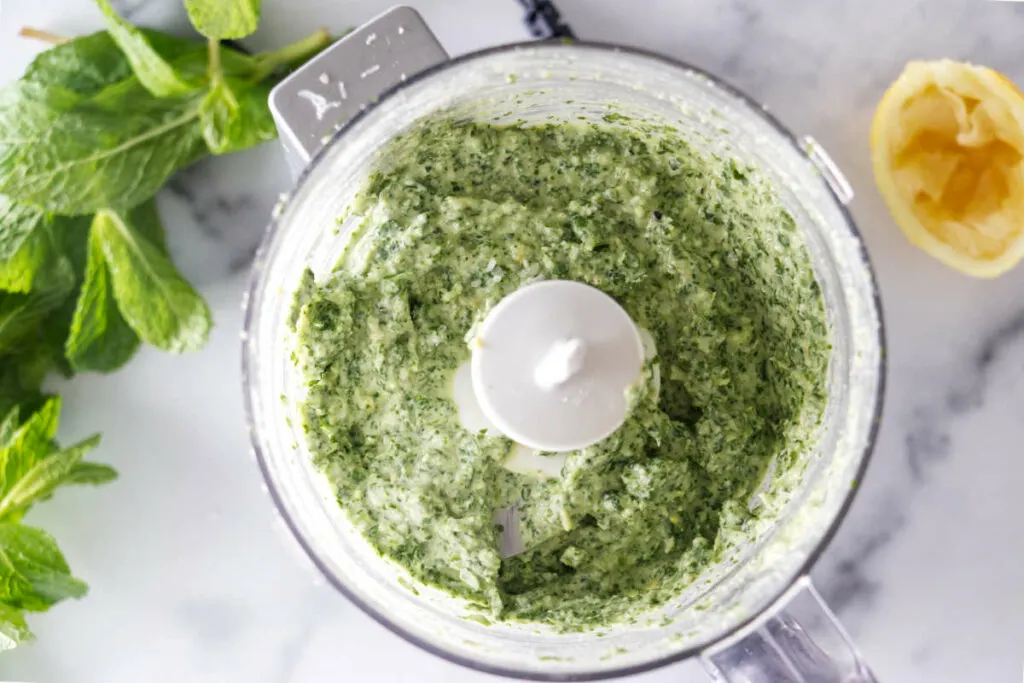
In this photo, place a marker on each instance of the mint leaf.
(90, 473)
(28, 267)
(23, 245)
(99, 338)
(33, 573)
(17, 222)
(146, 219)
(38, 349)
(152, 296)
(71, 155)
(13, 629)
(83, 65)
(87, 64)
(30, 258)
(71, 237)
(217, 114)
(31, 441)
(234, 116)
(21, 376)
(21, 315)
(42, 478)
(9, 426)
(174, 49)
(155, 73)
(224, 18)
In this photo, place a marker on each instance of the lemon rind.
(906, 86)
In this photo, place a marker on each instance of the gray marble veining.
(219, 209)
(926, 430)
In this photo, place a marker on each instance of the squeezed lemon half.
(947, 147)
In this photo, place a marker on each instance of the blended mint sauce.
(697, 250)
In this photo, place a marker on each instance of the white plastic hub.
(551, 364)
(562, 361)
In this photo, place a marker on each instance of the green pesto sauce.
(699, 253)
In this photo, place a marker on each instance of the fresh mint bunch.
(93, 129)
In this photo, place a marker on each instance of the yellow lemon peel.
(947, 148)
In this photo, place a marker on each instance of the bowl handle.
(800, 641)
(314, 101)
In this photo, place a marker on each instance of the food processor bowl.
(740, 614)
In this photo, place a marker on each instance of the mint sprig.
(33, 573)
(93, 129)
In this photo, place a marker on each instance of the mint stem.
(213, 69)
(45, 36)
(299, 52)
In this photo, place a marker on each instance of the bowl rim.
(255, 282)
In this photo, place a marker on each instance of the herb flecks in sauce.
(696, 249)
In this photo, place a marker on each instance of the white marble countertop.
(194, 579)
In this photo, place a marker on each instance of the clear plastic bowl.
(547, 76)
